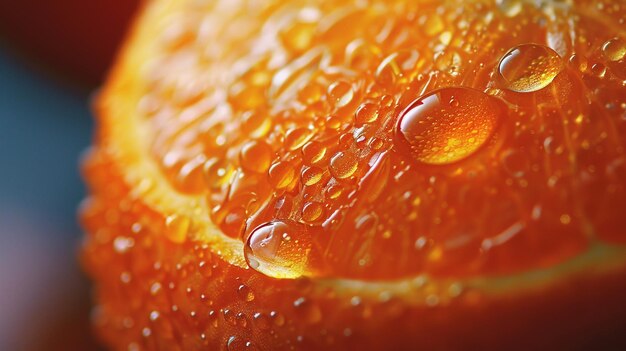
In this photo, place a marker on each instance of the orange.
(362, 175)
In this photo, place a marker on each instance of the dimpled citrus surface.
(391, 161)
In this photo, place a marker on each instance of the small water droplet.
(279, 249)
(334, 191)
(340, 94)
(217, 172)
(366, 113)
(298, 36)
(312, 211)
(256, 124)
(311, 175)
(230, 317)
(529, 67)
(261, 321)
(245, 293)
(154, 315)
(598, 70)
(578, 62)
(295, 138)
(281, 174)
(176, 228)
(313, 152)
(278, 318)
(448, 60)
(122, 244)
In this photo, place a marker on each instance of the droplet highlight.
(529, 67)
(438, 132)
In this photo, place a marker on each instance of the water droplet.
(261, 320)
(256, 124)
(438, 133)
(311, 175)
(282, 174)
(176, 228)
(230, 317)
(234, 344)
(312, 211)
(122, 244)
(256, 156)
(155, 288)
(279, 249)
(245, 293)
(313, 151)
(340, 94)
(334, 191)
(279, 319)
(343, 165)
(154, 315)
(366, 113)
(298, 36)
(614, 49)
(529, 67)
(578, 62)
(217, 172)
(212, 317)
(598, 70)
(242, 320)
(295, 138)
(448, 60)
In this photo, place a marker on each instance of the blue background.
(45, 124)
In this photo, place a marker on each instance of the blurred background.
(53, 57)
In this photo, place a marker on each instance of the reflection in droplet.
(279, 249)
(437, 132)
(529, 67)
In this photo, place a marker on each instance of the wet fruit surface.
(387, 154)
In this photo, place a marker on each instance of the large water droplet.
(614, 49)
(282, 174)
(448, 124)
(176, 228)
(529, 67)
(343, 165)
(256, 156)
(279, 249)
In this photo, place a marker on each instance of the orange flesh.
(377, 142)
(222, 119)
